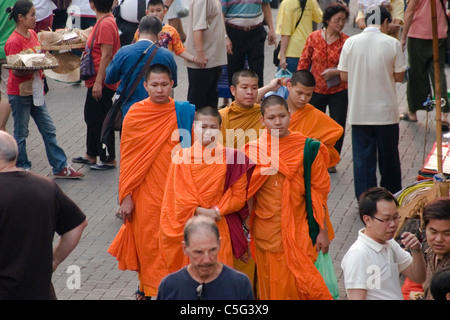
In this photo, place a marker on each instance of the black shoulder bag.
(113, 119)
(276, 51)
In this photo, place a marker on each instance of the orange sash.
(313, 123)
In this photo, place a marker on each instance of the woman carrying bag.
(25, 91)
(102, 43)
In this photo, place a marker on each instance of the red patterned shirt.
(318, 55)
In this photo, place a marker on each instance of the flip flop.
(103, 166)
(405, 116)
(82, 160)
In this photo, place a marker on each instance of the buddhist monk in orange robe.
(241, 120)
(149, 138)
(205, 179)
(241, 123)
(282, 247)
(308, 120)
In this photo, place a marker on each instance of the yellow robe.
(243, 125)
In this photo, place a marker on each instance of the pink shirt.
(421, 23)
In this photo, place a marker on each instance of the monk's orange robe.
(196, 179)
(240, 126)
(313, 123)
(148, 139)
(243, 125)
(283, 249)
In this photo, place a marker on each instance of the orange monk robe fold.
(313, 123)
(197, 179)
(148, 139)
(287, 158)
(243, 125)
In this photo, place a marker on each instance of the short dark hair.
(368, 201)
(103, 6)
(20, 7)
(438, 209)
(333, 9)
(246, 73)
(155, 3)
(273, 100)
(303, 77)
(377, 12)
(150, 24)
(440, 284)
(158, 68)
(208, 111)
(197, 223)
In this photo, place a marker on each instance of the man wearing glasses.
(373, 264)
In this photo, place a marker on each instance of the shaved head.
(8, 148)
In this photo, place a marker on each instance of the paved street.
(96, 194)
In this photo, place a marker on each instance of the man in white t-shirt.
(131, 12)
(372, 62)
(373, 264)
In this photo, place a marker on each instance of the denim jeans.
(22, 108)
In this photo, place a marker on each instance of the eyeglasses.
(394, 218)
(200, 292)
(339, 20)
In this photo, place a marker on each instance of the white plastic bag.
(366, 4)
(38, 90)
(181, 8)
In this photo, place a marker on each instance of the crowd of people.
(226, 203)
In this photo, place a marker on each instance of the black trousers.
(128, 30)
(202, 90)
(337, 105)
(371, 145)
(94, 115)
(59, 19)
(420, 54)
(248, 44)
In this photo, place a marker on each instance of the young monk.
(284, 246)
(310, 121)
(241, 123)
(241, 120)
(148, 138)
(205, 179)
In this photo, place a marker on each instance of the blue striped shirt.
(244, 9)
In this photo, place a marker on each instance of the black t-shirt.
(32, 209)
(229, 285)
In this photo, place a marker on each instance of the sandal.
(140, 295)
(82, 160)
(405, 116)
